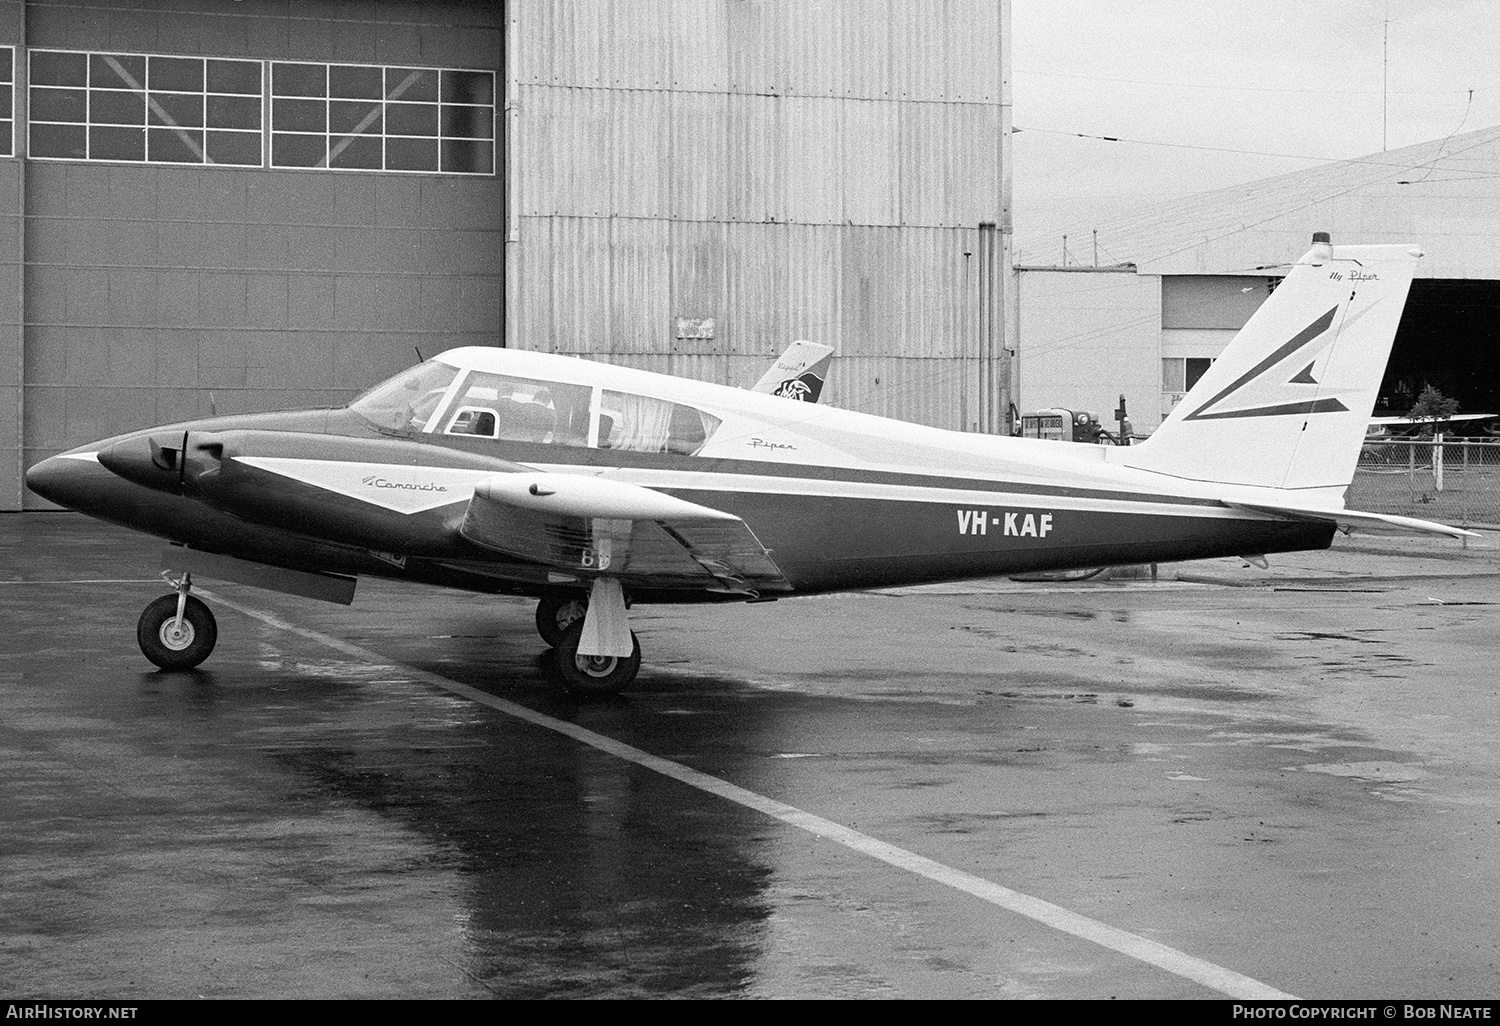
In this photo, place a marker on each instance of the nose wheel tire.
(555, 614)
(593, 676)
(172, 645)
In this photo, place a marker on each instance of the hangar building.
(224, 206)
(1193, 273)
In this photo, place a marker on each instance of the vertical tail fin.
(1288, 404)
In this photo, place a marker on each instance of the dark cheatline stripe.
(606, 459)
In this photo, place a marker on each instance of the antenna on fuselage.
(419, 354)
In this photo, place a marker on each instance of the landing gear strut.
(177, 632)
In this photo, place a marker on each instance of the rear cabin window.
(638, 423)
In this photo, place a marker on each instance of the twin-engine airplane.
(591, 487)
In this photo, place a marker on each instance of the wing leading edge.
(595, 527)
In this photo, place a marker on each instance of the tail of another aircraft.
(798, 373)
(1288, 404)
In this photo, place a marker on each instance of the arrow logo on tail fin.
(1269, 397)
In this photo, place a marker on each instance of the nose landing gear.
(177, 632)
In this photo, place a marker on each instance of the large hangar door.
(1449, 338)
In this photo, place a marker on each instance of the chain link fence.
(1452, 482)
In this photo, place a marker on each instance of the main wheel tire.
(556, 613)
(594, 676)
(172, 647)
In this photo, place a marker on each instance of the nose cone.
(67, 480)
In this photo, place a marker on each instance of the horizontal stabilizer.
(1350, 517)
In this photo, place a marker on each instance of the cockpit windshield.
(402, 405)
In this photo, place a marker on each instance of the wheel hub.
(176, 635)
(596, 666)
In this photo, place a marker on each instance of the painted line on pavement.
(1214, 977)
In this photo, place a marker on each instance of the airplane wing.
(1409, 422)
(593, 526)
(798, 373)
(1349, 516)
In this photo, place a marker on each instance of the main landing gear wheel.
(173, 643)
(594, 676)
(556, 613)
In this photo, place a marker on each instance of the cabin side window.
(638, 423)
(516, 409)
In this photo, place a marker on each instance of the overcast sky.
(1274, 77)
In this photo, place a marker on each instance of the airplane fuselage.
(876, 503)
(591, 486)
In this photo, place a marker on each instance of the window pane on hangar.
(299, 115)
(117, 71)
(177, 109)
(298, 150)
(110, 143)
(299, 79)
(54, 106)
(411, 154)
(117, 108)
(176, 146)
(465, 122)
(357, 117)
(354, 81)
(411, 118)
(175, 74)
(417, 84)
(237, 77)
(58, 68)
(477, 87)
(67, 141)
(239, 148)
(356, 152)
(241, 112)
(461, 156)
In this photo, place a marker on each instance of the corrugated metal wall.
(788, 170)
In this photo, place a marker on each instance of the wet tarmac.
(1227, 781)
